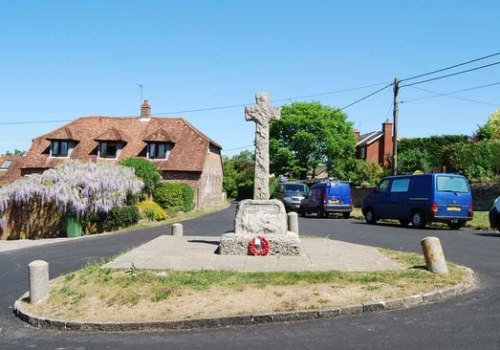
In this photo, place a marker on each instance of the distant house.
(179, 150)
(376, 146)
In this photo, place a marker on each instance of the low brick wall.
(483, 195)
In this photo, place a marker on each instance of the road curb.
(217, 322)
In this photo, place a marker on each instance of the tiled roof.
(369, 138)
(111, 135)
(159, 135)
(187, 154)
(13, 172)
(63, 133)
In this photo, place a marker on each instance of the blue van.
(421, 199)
(327, 197)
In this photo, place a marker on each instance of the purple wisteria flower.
(76, 187)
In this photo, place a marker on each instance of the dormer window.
(158, 150)
(108, 149)
(6, 165)
(59, 148)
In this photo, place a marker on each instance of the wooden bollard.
(293, 222)
(434, 256)
(39, 281)
(177, 230)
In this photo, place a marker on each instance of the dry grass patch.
(96, 294)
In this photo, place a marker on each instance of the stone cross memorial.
(261, 216)
(262, 114)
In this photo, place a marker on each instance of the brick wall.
(210, 185)
(372, 152)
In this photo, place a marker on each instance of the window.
(59, 148)
(400, 185)
(158, 150)
(5, 165)
(382, 187)
(362, 153)
(108, 149)
(452, 184)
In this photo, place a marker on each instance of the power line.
(451, 67)
(36, 122)
(276, 100)
(456, 97)
(447, 93)
(209, 108)
(237, 148)
(452, 74)
(367, 96)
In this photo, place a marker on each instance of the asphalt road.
(471, 321)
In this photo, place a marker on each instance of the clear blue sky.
(64, 59)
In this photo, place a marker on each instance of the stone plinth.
(260, 217)
(266, 218)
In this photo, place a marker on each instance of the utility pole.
(395, 126)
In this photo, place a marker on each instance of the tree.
(232, 169)
(413, 159)
(15, 152)
(307, 135)
(490, 130)
(145, 170)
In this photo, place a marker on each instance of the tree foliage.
(309, 134)
(236, 172)
(431, 147)
(174, 196)
(15, 152)
(414, 159)
(145, 170)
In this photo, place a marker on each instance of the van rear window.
(452, 184)
(295, 188)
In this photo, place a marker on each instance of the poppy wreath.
(254, 248)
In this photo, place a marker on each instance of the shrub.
(121, 216)
(146, 171)
(174, 196)
(152, 211)
(75, 187)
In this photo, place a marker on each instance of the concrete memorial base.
(265, 218)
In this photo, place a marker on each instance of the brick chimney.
(145, 110)
(388, 143)
(357, 134)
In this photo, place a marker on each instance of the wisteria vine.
(76, 187)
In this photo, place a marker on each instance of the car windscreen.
(295, 189)
(452, 184)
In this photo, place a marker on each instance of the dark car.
(421, 199)
(495, 214)
(327, 197)
(291, 194)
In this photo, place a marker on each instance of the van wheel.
(418, 220)
(456, 225)
(370, 217)
(404, 222)
(347, 215)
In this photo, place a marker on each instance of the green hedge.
(120, 217)
(174, 196)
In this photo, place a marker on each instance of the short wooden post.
(434, 256)
(293, 222)
(39, 281)
(177, 230)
